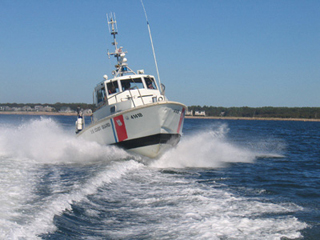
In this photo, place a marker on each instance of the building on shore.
(189, 113)
(49, 109)
(66, 110)
(200, 113)
(27, 108)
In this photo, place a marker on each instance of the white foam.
(38, 218)
(178, 208)
(15, 189)
(25, 150)
(45, 141)
(171, 207)
(206, 149)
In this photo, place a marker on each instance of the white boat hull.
(148, 130)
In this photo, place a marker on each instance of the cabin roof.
(101, 84)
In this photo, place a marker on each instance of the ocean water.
(226, 179)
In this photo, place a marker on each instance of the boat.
(132, 111)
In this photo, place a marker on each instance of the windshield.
(101, 95)
(113, 87)
(150, 83)
(129, 84)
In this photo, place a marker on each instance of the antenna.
(114, 28)
(154, 53)
(122, 66)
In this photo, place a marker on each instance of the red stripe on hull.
(181, 120)
(120, 128)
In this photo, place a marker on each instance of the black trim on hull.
(161, 138)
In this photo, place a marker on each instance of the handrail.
(139, 94)
(114, 95)
(135, 87)
(131, 96)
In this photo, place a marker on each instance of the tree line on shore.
(56, 107)
(258, 112)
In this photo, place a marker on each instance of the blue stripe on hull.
(113, 130)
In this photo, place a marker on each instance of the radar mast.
(122, 66)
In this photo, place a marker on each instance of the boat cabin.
(124, 92)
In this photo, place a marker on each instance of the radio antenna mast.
(154, 53)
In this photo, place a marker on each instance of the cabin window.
(113, 87)
(101, 95)
(150, 83)
(130, 84)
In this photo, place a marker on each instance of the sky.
(228, 53)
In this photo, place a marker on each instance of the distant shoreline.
(188, 117)
(255, 118)
(38, 113)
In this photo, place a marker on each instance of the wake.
(211, 149)
(45, 141)
(33, 157)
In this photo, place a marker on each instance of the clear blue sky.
(210, 52)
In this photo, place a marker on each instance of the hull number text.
(138, 115)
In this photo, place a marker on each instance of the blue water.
(226, 179)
